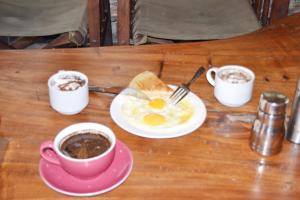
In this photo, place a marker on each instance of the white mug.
(71, 99)
(233, 84)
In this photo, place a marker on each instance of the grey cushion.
(192, 19)
(42, 17)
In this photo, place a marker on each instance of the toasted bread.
(148, 81)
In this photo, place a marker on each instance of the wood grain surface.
(213, 162)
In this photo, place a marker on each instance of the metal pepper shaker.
(268, 130)
(293, 133)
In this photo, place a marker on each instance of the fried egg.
(156, 112)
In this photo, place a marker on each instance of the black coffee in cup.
(84, 144)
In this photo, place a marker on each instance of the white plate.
(179, 130)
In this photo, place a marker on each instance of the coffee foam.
(69, 82)
(235, 76)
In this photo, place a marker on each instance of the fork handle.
(112, 90)
(196, 76)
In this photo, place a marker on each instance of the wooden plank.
(70, 38)
(280, 9)
(123, 22)
(268, 11)
(23, 42)
(94, 22)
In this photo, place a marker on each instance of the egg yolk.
(157, 103)
(154, 119)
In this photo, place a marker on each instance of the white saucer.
(179, 130)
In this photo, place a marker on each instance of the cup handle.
(209, 76)
(47, 152)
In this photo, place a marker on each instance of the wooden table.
(213, 162)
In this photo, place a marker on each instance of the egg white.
(134, 109)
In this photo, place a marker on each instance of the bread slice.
(148, 81)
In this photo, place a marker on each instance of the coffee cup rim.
(252, 74)
(84, 126)
(61, 72)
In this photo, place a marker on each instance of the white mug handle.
(209, 76)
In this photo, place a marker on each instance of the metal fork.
(184, 89)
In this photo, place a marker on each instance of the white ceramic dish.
(195, 122)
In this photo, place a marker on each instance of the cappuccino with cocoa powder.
(234, 76)
(70, 82)
(233, 84)
(68, 92)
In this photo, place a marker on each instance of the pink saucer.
(59, 180)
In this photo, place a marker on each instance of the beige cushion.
(42, 17)
(192, 19)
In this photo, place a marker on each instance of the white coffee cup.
(233, 84)
(65, 100)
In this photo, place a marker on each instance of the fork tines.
(183, 89)
(178, 94)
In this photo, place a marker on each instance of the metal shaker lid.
(273, 103)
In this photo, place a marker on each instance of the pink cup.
(82, 168)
